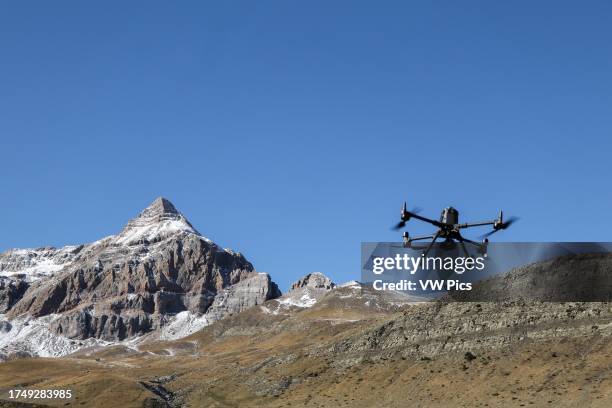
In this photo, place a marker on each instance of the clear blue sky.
(292, 131)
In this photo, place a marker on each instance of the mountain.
(158, 270)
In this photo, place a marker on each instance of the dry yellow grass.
(279, 363)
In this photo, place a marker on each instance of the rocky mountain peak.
(158, 220)
(315, 280)
(158, 211)
(161, 206)
(158, 276)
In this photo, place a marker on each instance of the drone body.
(449, 229)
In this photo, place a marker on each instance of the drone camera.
(483, 250)
(406, 239)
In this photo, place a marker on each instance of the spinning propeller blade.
(399, 225)
(406, 214)
(501, 226)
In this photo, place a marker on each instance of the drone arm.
(425, 219)
(420, 238)
(475, 224)
(431, 244)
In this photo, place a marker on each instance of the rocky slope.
(124, 286)
(354, 347)
(569, 278)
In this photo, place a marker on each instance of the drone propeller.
(399, 226)
(405, 215)
(500, 226)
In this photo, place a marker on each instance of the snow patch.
(45, 267)
(32, 336)
(150, 232)
(304, 301)
(35, 264)
(182, 325)
(351, 284)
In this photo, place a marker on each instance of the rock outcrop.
(315, 280)
(11, 290)
(306, 291)
(243, 295)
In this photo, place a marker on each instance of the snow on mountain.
(31, 337)
(182, 325)
(306, 299)
(34, 264)
(156, 222)
(152, 232)
(351, 284)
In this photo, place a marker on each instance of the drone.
(449, 229)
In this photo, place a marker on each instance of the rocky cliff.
(130, 284)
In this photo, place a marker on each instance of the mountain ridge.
(127, 285)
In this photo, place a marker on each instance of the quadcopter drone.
(450, 230)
